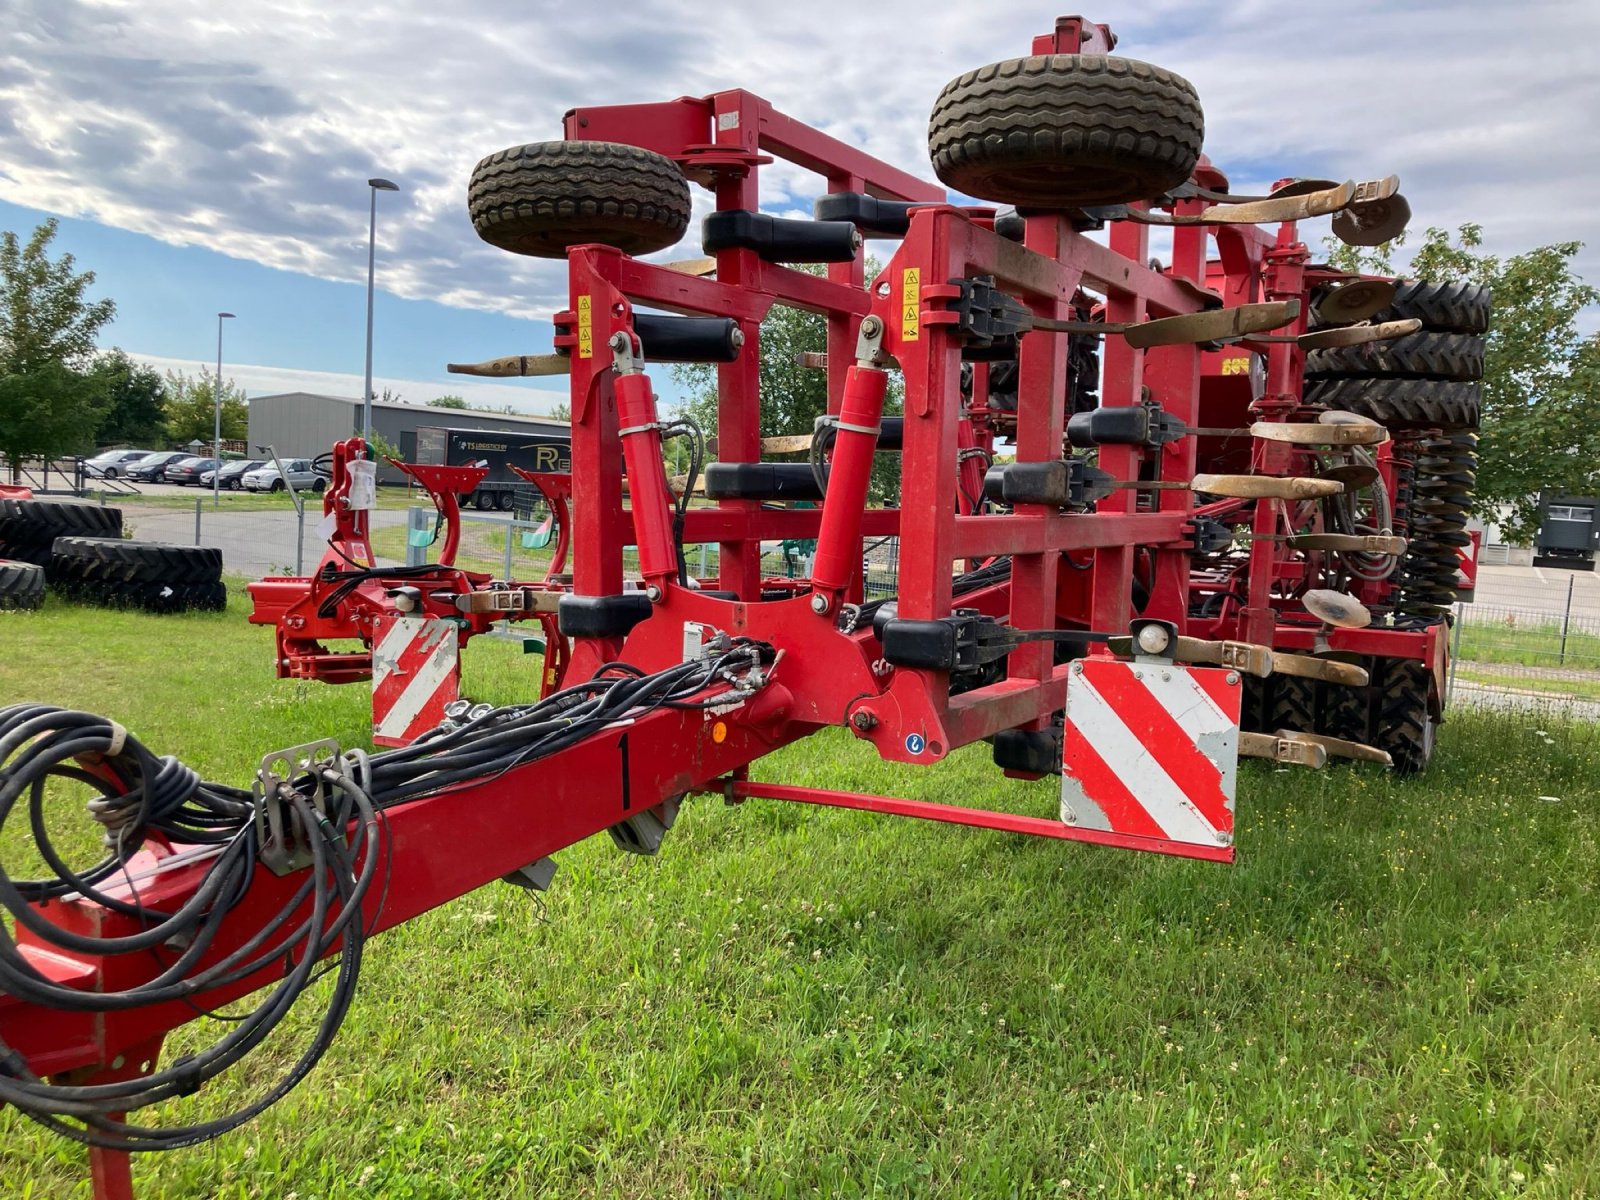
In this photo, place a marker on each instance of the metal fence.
(1532, 632)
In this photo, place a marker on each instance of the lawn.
(1395, 992)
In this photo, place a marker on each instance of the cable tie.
(874, 430)
(119, 738)
(185, 1075)
(655, 425)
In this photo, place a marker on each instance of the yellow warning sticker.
(585, 327)
(1236, 366)
(911, 304)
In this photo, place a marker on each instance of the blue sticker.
(915, 743)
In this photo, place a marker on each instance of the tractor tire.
(1294, 704)
(161, 597)
(1345, 712)
(21, 584)
(1399, 404)
(1056, 131)
(40, 522)
(1405, 723)
(543, 197)
(1452, 306)
(1457, 356)
(111, 560)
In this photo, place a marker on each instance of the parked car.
(232, 473)
(109, 464)
(188, 470)
(267, 479)
(150, 468)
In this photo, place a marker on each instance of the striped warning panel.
(1150, 755)
(416, 671)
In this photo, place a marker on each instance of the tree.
(561, 410)
(1541, 379)
(189, 408)
(448, 401)
(48, 411)
(136, 398)
(48, 325)
(792, 396)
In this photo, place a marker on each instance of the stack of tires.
(28, 529)
(144, 575)
(79, 550)
(1425, 389)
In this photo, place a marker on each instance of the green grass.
(1562, 688)
(1395, 992)
(1528, 644)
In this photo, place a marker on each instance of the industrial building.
(305, 424)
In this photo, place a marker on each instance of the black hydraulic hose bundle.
(140, 794)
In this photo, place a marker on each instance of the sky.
(205, 157)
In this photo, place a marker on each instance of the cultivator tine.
(1328, 670)
(1348, 543)
(515, 365)
(1266, 487)
(1320, 433)
(1293, 750)
(786, 443)
(699, 267)
(1339, 747)
(1357, 335)
(1288, 204)
(1217, 324)
(1188, 329)
(812, 360)
(1245, 657)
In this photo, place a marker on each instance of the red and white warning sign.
(416, 671)
(1151, 755)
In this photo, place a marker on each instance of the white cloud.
(267, 381)
(251, 128)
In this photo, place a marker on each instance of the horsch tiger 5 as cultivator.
(1153, 517)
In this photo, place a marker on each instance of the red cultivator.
(1215, 557)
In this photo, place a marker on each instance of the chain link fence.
(1532, 632)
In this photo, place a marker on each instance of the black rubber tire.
(318, 486)
(40, 522)
(1294, 705)
(21, 584)
(277, 485)
(1058, 131)
(1451, 306)
(1415, 356)
(483, 501)
(111, 560)
(506, 500)
(1402, 403)
(1345, 712)
(543, 197)
(159, 597)
(1405, 724)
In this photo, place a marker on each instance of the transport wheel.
(1293, 704)
(1420, 355)
(1405, 725)
(1398, 404)
(21, 584)
(540, 198)
(1066, 130)
(1345, 712)
(112, 560)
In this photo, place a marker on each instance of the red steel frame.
(440, 847)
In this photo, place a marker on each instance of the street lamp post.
(216, 415)
(376, 186)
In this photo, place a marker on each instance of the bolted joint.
(863, 721)
(653, 594)
(820, 605)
